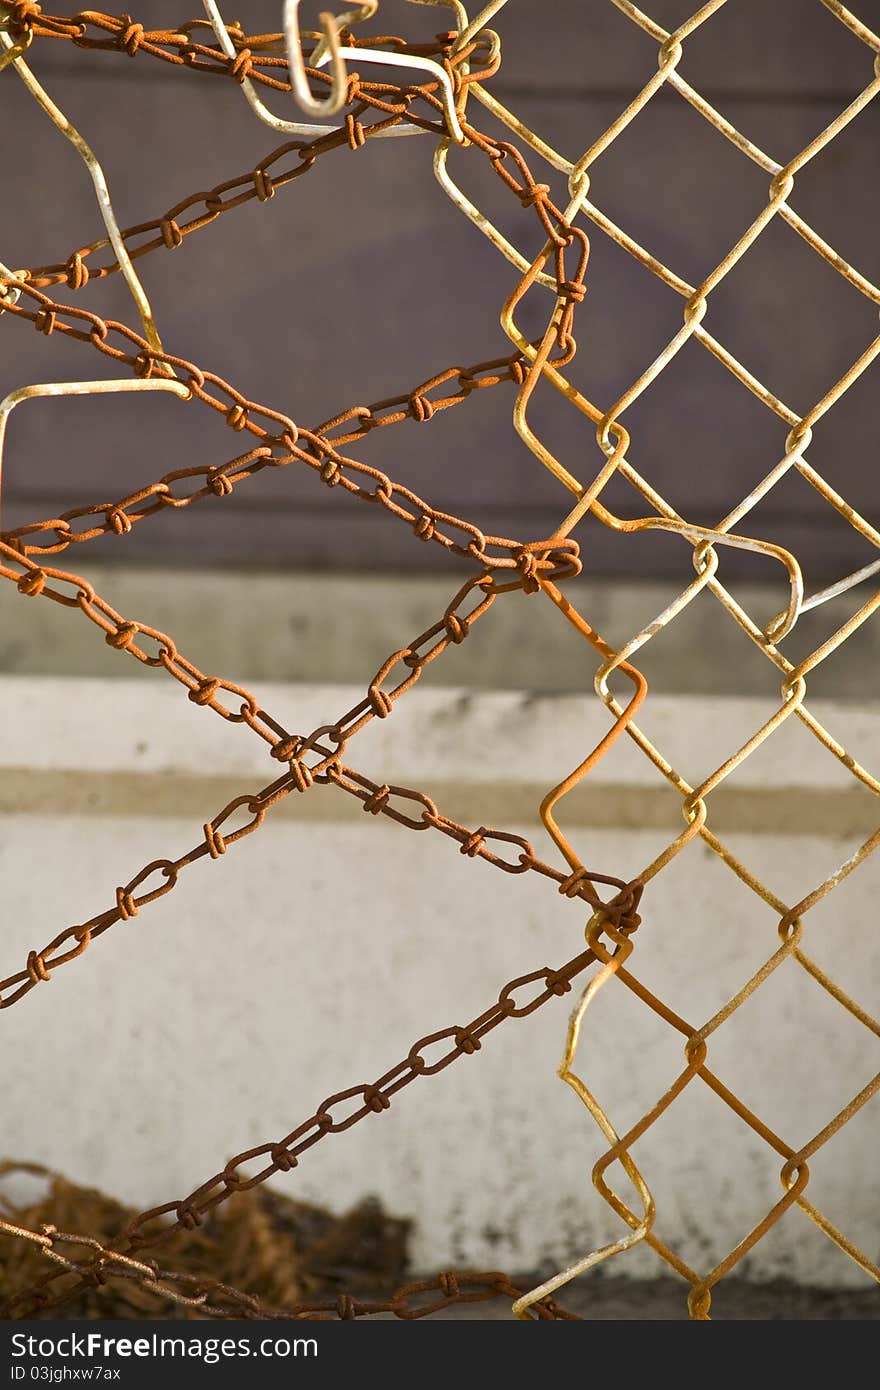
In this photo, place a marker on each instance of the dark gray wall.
(361, 280)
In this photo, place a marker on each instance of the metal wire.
(13, 55)
(461, 64)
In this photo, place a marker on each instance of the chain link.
(150, 1228)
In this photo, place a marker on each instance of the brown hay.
(263, 1243)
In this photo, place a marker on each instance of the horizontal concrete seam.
(782, 811)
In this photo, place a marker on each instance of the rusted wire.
(309, 760)
(469, 57)
(150, 1228)
(211, 1298)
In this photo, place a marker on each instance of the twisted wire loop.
(470, 59)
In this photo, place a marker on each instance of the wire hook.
(381, 57)
(300, 129)
(328, 50)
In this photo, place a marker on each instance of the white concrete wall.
(312, 954)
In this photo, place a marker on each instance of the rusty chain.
(503, 565)
(320, 452)
(284, 1154)
(325, 766)
(259, 57)
(213, 1299)
(546, 556)
(259, 184)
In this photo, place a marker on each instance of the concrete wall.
(309, 958)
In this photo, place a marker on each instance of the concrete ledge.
(338, 628)
(93, 747)
(838, 815)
